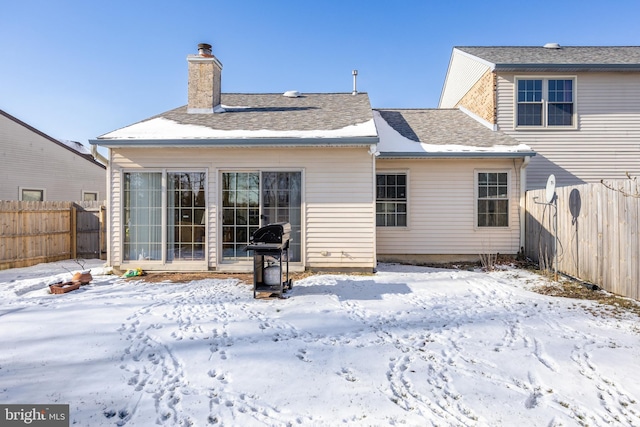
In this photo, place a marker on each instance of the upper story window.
(391, 200)
(545, 102)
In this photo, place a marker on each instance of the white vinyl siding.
(32, 161)
(605, 141)
(463, 73)
(337, 198)
(442, 210)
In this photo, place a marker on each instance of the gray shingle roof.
(444, 127)
(269, 111)
(577, 57)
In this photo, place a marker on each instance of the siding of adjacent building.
(606, 142)
(442, 212)
(337, 198)
(30, 160)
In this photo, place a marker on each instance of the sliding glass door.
(186, 217)
(240, 212)
(142, 216)
(254, 199)
(171, 201)
(281, 202)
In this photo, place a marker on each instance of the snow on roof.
(162, 128)
(76, 146)
(391, 141)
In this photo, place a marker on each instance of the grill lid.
(278, 232)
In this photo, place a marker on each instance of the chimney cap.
(204, 49)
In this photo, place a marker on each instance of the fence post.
(74, 232)
(102, 235)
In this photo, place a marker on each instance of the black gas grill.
(270, 246)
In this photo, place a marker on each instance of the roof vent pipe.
(552, 46)
(355, 76)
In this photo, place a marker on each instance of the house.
(186, 188)
(463, 192)
(37, 167)
(578, 107)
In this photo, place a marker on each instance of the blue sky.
(77, 69)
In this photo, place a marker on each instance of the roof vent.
(292, 94)
(551, 46)
(354, 73)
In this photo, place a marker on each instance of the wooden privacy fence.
(36, 232)
(597, 231)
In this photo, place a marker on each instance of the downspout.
(373, 192)
(523, 199)
(109, 212)
(105, 161)
(98, 156)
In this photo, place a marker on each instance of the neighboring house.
(37, 167)
(187, 188)
(577, 107)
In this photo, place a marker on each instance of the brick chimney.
(205, 73)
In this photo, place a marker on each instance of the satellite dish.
(551, 188)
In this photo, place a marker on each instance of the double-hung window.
(493, 199)
(545, 102)
(391, 200)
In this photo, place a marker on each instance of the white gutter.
(109, 213)
(98, 156)
(523, 198)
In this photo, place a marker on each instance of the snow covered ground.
(408, 346)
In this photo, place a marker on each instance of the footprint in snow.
(302, 355)
(348, 375)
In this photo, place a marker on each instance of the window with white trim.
(493, 199)
(391, 200)
(89, 196)
(31, 194)
(545, 102)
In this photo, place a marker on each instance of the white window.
(391, 200)
(31, 194)
(493, 199)
(89, 196)
(545, 102)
